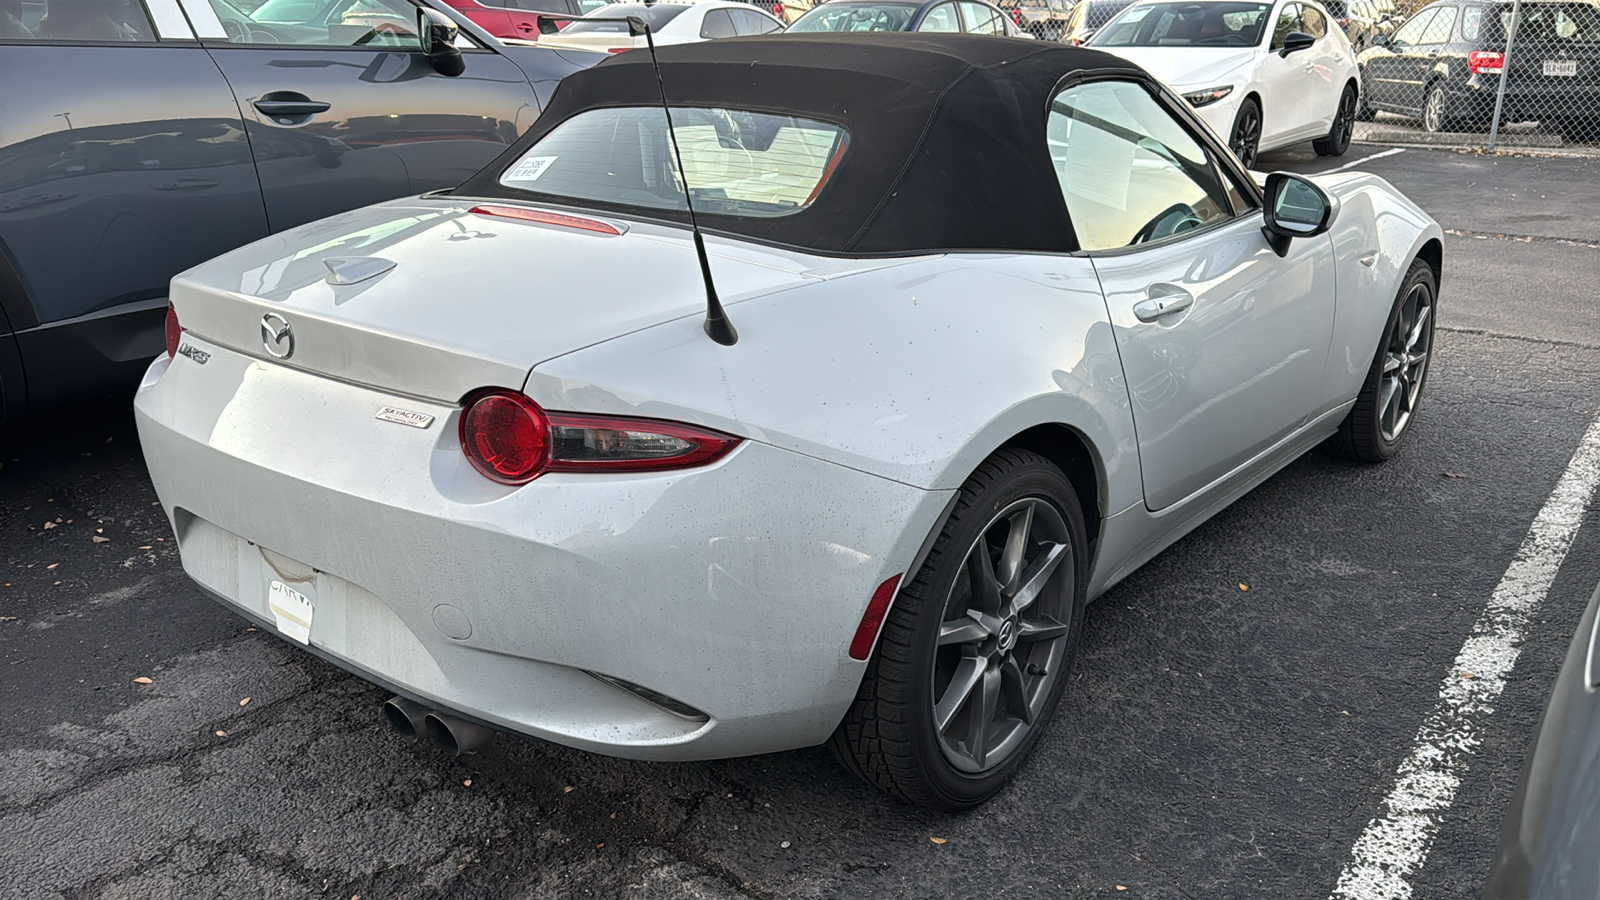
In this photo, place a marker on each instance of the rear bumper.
(733, 589)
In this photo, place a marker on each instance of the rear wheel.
(1245, 140)
(1434, 114)
(975, 652)
(1388, 401)
(1344, 125)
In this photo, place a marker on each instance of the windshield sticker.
(530, 168)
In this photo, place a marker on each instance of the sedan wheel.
(975, 652)
(1387, 404)
(1433, 110)
(1246, 139)
(1344, 126)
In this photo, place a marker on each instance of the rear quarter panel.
(914, 372)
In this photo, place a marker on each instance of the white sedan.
(670, 21)
(1263, 75)
(842, 464)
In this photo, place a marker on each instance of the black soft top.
(947, 133)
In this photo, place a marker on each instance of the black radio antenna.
(717, 326)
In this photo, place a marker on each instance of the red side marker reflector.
(545, 218)
(872, 619)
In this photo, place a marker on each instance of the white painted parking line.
(1365, 159)
(1396, 843)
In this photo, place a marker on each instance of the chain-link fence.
(1505, 74)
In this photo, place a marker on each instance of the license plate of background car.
(1561, 68)
(291, 610)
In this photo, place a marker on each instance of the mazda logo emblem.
(277, 336)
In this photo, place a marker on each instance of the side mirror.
(438, 33)
(547, 25)
(1379, 39)
(1295, 208)
(1295, 41)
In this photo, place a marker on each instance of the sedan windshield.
(1186, 25)
(654, 15)
(857, 17)
(737, 163)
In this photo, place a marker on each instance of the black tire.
(889, 737)
(1434, 98)
(1245, 138)
(1371, 432)
(1344, 125)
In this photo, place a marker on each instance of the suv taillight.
(1486, 62)
(174, 331)
(510, 439)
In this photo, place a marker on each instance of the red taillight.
(872, 619)
(506, 437)
(618, 49)
(174, 331)
(545, 218)
(1486, 62)
(511, 440)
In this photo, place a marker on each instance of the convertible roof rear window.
(736, 163)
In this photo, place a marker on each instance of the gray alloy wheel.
(1405, 361)
(1344, 125)
(1245, 142)
(1433, 118)
(975, 652)
(1387, 404)
(1001, 640)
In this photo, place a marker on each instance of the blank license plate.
(1563, 68)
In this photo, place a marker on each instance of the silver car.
(816, 415)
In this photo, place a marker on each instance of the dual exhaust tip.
(454, 736)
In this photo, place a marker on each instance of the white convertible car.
(998, 321)
(1262, 74)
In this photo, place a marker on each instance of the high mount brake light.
(544, 217)
(174, 332)
(510, 439)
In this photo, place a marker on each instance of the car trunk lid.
(426, 298)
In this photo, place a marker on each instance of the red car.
(518, 19)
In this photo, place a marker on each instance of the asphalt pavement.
(1233, 722)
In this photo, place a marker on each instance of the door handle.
(277, 104)
(1167, 301)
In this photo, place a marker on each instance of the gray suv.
(138, 139)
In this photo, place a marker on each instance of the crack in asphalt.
(1484, 332)
(1522, 238)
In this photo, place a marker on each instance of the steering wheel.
(1170, 221)
(240, 33)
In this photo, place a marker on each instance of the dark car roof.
(946, 149)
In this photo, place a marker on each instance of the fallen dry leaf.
(245, 702)
(147, 547)
(1468, 675)
(600, 845)
(1243, 586)
(222, 734)
(1454, 475)
(1122, 887)
(467, 783)
(49, 525)
(51, 566)
(937, 840)
(98, 539)
(568, 789)
(142, 679)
